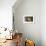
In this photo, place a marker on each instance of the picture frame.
(28, 19)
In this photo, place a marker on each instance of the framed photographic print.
(28, 19)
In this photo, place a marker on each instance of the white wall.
(26, 27)
(32, 30)
(43, 22)
(6, 13)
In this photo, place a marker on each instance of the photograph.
(28, 19)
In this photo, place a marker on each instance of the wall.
(30, 30)
(43, 22)
(6, 13)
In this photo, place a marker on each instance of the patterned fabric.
(29, 43)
